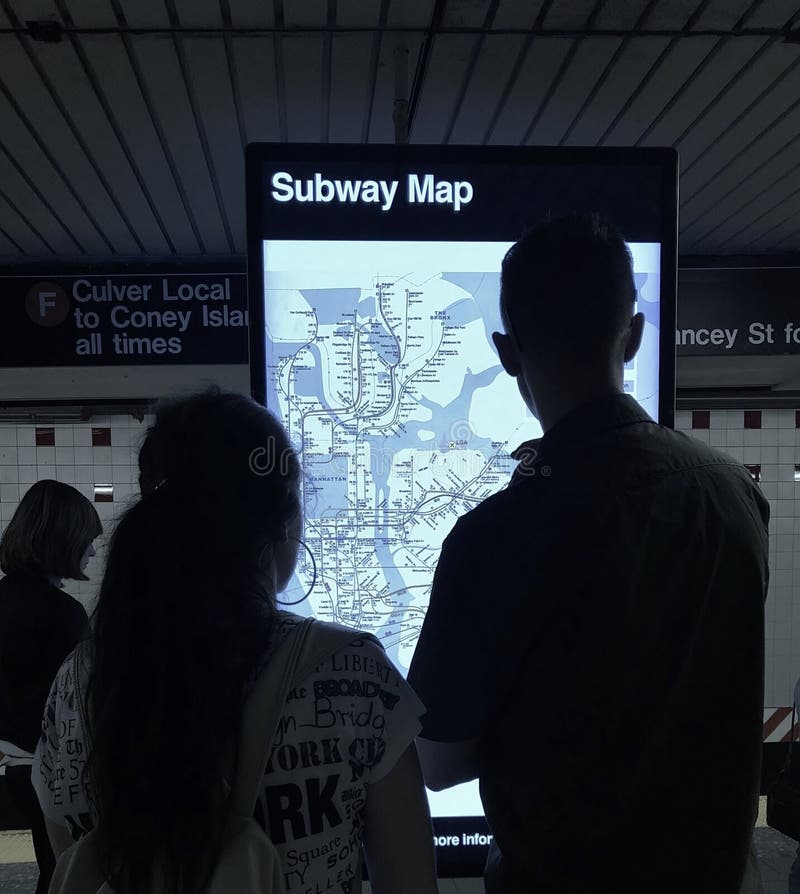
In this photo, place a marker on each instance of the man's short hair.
(568, 285)
(49, 533)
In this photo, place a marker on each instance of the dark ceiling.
(123, 122)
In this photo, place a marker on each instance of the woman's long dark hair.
(181, 620)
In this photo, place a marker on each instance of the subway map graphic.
(380, 365)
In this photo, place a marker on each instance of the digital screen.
(374, 289)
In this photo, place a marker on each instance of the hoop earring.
(313, 574)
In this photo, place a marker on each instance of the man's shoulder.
(662, 464)
(643, 456)
(487, 521)
(679, 444)
(687, 456)
(653, 450)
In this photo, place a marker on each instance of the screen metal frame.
(464, 861)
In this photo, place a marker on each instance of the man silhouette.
(593, 650)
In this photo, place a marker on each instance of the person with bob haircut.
(187, 619)
(49, 539)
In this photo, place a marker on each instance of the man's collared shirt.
(598, 626)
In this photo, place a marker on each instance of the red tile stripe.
(793, 734)
(101, 437)
(775, 720)
(45, 437)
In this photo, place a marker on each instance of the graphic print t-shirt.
(344, 727)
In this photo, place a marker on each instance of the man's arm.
(445, 764)
(453, 670)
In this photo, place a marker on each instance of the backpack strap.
(80, 697)
(303, 650)
(262, 712)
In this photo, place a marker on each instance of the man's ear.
(507, 351)
(634, 338)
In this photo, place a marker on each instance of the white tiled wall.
(776, 448)
(74, 461)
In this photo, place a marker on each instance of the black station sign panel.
(130, 319)
(738, 311)
(102, 319)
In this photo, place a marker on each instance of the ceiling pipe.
(400, 114)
